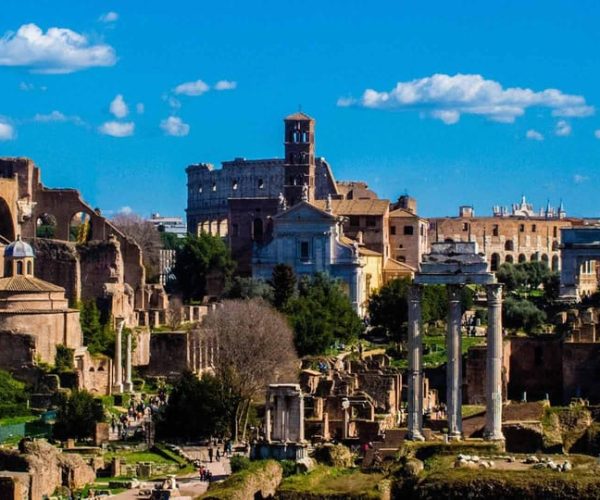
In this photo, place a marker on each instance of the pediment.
(304, 211)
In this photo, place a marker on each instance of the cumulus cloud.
(579, 179)
(118, 107)
(126, 210)
(192, 88)
(57, 116)
(174, 126)
(447, 97)
(225, 85)
(109, 17)
(562, 129)
(58, 50)
(117, 129)
(7, 131)
(534, 135)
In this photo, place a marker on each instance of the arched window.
(509, 246)
(495, 262)
(534, 257)
(29, 268)
(545, 259)
(522, 258)
(509, 259)
(19, 267)
(261, 184)
(555, 245)
(234, 185)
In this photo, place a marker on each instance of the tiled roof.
(394, 265)
(355, 207)
(22, 283)
(299, 116)
(362, 250)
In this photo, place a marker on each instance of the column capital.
(494, 292)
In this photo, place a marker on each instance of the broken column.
(415, 374)
(493, 391)
(454, 367)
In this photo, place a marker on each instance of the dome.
(18, 249)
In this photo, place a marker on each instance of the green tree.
(434, 306)
(77, 415)
(552, 287)
(63, 359)
(13, 397)
(320, 315)
(170, 241)
(536, 273)
(283, 281)
(388, 308)
(248, 288)
(521, 314)
(196, 259)
(99, 338)
(197, 408)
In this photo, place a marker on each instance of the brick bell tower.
(299, 144)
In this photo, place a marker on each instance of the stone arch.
(80, 227)
(509, 246)
(509, 259)
(522, 258)
(495, 262)
(45, 226)
(7, 229)
(545, 259)
(534, 257)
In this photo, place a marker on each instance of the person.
(218, 455)
(210, 454)
(229, 448)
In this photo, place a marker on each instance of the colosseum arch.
(7, 229)
(522, 258)
(509, 259)
(495, 262)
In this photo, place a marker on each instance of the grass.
(325, 480)
(18, 420)
(134, 457)
(435, 345)
(470, 410)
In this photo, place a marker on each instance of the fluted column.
(118, 361)
(454, 366)
(128, 385)
(493, 389)
(415, 373)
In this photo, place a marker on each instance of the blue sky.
(483, 138)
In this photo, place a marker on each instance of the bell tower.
(299, 144)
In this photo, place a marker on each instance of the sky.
(455, 103)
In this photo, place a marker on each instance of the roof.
(21, 283)
(18, 249)
(362, 250)
(355, 207)
(299, 116)
(394, 265)
(403, 212)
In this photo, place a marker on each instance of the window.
(29, 268)
(371, 221)
(354, 220)
(533, 228)
(214, 186)
(19, 267)
(495, 262)
(234, 185)
(409, 230)
(509, 246)
(393, 230)
(521, 228)
(235, 230)
(465, 226)
(199, 188)
(495, 230)
(304, 251)
(422, 230)
(261, 184)
(555, 232)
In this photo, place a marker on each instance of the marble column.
(415, 373)
(118, 361)
(128, 385)
(454, 366)
(268, 418)
(493, 387)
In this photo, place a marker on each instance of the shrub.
(238, 463)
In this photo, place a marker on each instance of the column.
(268, 418)
(493, 386)
(454, 366)
(415, 374)
(128, 385)
(118, 381)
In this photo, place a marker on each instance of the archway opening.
(80, 228)
(7, 230)
(45, 226)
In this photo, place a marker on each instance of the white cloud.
(117, 129)
(175, 126)
(562, 129)
(446, 97)
(26, 87)
(597, 134)
(225, 85)
(579, 179)
(192, 88)
(57, 116)
(534, 135)
(7, 132)
(140, 108)
(109, 17)
(58, 50)
(118, 107)
(126, 210)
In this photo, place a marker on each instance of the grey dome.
(18, 249)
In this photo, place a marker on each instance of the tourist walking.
(210, 454)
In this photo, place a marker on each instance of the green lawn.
(435, 348)
(18, 420)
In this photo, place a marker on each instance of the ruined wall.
(383, 388)
(141, 353)
(58, 262)
(47, 330)
(94, 373)
(581, 371)
(535, 368)
(17, 351)
(169, 354)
